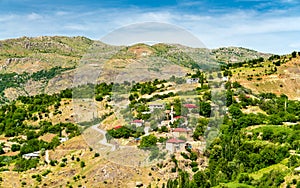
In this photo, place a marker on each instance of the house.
(192, 80)
(175, 145)
(182, 119)
(164, 123)
(137, 122)
(297, 170)
(177, 132)
(118, 127)
(32, 155)
(153, 106)
(225, 79)
(178, 117)
(63, 139)
(190, 106)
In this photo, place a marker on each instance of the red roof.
(190, 106)
(175, 141)
(181, 130)
(118, 127)
(137, 121)
(178, 117)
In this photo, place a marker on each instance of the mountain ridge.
(59, 58)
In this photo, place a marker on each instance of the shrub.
(62, 164)
(38, 178)
(195, 169)
(184, 155)
(45, 173)
(82, 164)
(193, 164)
(53, 162)
(15, 147)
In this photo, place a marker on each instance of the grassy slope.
(284, 80)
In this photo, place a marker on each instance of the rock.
(138, 184)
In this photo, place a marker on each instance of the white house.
(297, 170)
(153, 106)
(225, 79)
(177, 132)
(137, 122)
(175, 145)
(63, 139)
(32, 155)
(192, 80)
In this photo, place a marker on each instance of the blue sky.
(264, 25)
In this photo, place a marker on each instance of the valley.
(80, 113)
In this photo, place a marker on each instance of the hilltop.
(34, 65)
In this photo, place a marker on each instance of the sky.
(264, 25)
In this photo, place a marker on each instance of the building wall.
(169, 147)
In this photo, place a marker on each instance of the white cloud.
(269, 32)
(34, 16)
(76, 27)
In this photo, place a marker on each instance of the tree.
(294, 54)
(200, 179)
(200, 128)
(30, 135)
(148, 141)
(1, 150)
(82, 164)
(235, 111)
(15, 147)
(193, 156)
(205, 109)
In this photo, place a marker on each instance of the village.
(177, 122)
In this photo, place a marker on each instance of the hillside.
(278, 74)
(31, 66)
(147, 116)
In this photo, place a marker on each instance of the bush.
(193, 156)
(184, 155)
(53, 162)
(96, 155)
(294, 181)
(195, 169)
(24, 164)
(45, 173)
(274, 178)
(62, 164)
(148, 141)
(38, 178)
(194, 164)
(244, 178)
(15, 147)
(82, 164)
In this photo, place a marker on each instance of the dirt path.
(47, 157)
(103, 141)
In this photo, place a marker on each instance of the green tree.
(200, 179)
(82, 164)
(148, 141)
(15, 147)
